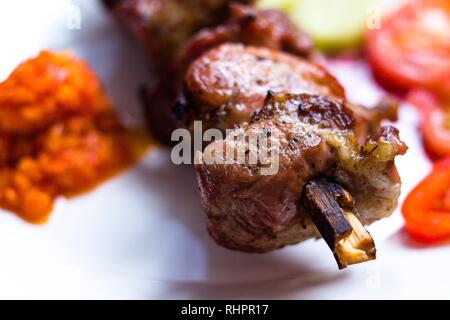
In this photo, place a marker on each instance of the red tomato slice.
(427, 208)
(436, 132)
(422, 99)
(435, 122)
(412, 48)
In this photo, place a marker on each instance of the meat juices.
(251, 212)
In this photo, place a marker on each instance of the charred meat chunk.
(158, 100)
(164, 26)
(228, 84)
(250, 26)
(255, 212)
(164, 29)
(265, 28)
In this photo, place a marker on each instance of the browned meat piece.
(252, 212)
(228, 84)
(266, 28)
(250, 26)
(164, 26)
(158, 100)
(369, 119)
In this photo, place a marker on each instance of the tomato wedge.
(412, 48)
(427, 208)
(435, 122)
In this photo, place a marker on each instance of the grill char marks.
(309, 109)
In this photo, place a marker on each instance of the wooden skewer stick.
(333, 212)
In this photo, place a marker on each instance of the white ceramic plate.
(142, 234)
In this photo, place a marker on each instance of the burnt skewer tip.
(332, 210)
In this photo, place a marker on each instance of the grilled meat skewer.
(172, 51)
(321, 135)
(253, 212)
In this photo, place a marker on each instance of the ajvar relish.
(58, 134)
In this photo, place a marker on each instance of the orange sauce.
(58, 135)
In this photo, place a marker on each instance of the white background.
(142, 234)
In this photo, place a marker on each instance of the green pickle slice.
(332, 24)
